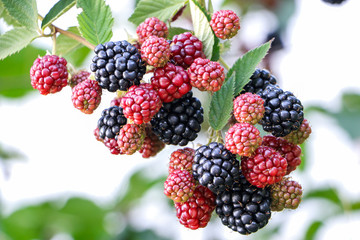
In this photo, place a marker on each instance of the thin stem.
(221, 60)
(54, 43)
(75, 37)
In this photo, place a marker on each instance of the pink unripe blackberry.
(49, 74)
(151, 145)
(155, 51)
(86, 96)
(179, 185)
(206, 75)
(249, 108)
(130, 138)
(299, 136)
(242, 139)
(151, 27)
(78, 78)
(225, 24)
(182, 159)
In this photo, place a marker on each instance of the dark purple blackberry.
(244, 208)
(111, 121)
(258, 81)
(334, 1)
(283, 111)
(117, 65)
(215, 167)
(179, 121)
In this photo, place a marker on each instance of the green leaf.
(202, 28)
(7, 18)
(162, 9)
(96, 21)
(355, 206)
(56, 11)
(78, 57)
(64, 44)
(22, 11)
(221, 105)
(245, 66)
(329, 194)
(210, 7)
(15, 70)
(14, 40)
(312, 230)
(176, 31)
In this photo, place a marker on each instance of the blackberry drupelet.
(179, 121)
(283, 111)
(244, 208)
(259, 80)
(117, 65)
(111, 121)
(215, 167)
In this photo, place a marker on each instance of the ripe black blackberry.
(334, 1)
(215, 167)
(179, 121)
(117, 65)
(258, 81)
(283, 111)
(244, 208)
(111, 121)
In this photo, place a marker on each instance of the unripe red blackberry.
(182, 159)
(242, 139)
(112, 145)
(151, 27)
(285, 194)
(265, 167)
(299, 136)
(206, 75)
(215, 167)
(117, 65)
(289, 151)
(155, 51)
(97, 136)
(115, 101)
(78, 78)
(130, 138)
(49, 74)
(185, 48)
(86, 96)
(196, 211)
(179, 185)
(225, 24)
(171, 82)
(249, 108)
(151, 145)
(141, 103)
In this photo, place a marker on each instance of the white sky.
(63, 159)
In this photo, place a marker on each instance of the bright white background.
(63, 159)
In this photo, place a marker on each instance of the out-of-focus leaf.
(138, 185)
(176, 31)
(132, 234)
(77, 57)
(22, 11)
(61, 7)
(7, 18)
(15, 72)
(355, 206)
(304, 156)
(329, 194)
(9, 154)
(312, 230)
(162, 9)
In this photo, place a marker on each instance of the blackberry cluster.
(259, 80)
(179, 121)
(283, 111)
(244, 208)
(215, 167)
(111, 121)
(117, 65)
